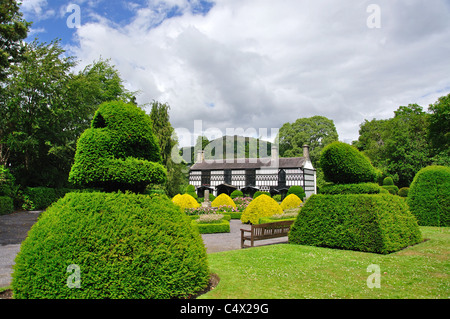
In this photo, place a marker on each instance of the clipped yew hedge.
(371, 223)
(344, 164)
(119, 151)
(429, 196)
(126, 246)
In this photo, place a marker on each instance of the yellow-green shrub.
(291, 201)
(185, 201)
(223, 200)
(261, 206)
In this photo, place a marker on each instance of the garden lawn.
(288, 271)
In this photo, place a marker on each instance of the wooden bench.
(265, 231)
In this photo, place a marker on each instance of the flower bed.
(211, 224)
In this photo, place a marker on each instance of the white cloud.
(261, 63)
(37, 9)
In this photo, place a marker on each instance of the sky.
(253, 65)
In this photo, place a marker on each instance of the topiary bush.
(371, 223)
(6, 205)
(119, 151)
(190, 190)
(297, 190)
(223, 200)
(362, 188)
(344, 164)
(185, 201)
(429, 196)
(291, 201)
(388, 181)
(403, 192)
(262, 206)
(126, 246)
(258, 193)
(236, 193)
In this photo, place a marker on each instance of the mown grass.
(295, 272)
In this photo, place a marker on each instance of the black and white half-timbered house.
(271, 174)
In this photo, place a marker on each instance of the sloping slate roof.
(248, 163)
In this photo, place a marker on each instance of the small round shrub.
(277, 197)
(126, 246)
(190, 189)
(392, 189)
(291, 201)
(388, 181)
(258, 193)
(297, 190)
(185, 201)
(236, 193)
(429, 196)
(223, 200)
(262, 206)
(344, 164)
(403, 192)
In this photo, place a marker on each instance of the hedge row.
(371, 223)
(342, 189)
(221, 227)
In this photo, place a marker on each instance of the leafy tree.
(316, 131)
(13, 29)
(439, 130)
(44, 109)
(168, 142)
(398, 146)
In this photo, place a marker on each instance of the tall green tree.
(439, 130)
(316, 131)
(13, 29)
(168, 144)
(43, 110)
(398, 146)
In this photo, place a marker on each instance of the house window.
(227, 176)
(250, 177)
(206, 178)
(282, 178)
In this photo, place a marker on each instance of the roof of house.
(248, 163)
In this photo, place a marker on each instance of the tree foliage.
(44, 109)
(399, 146)
(316, 131)
(13, 29)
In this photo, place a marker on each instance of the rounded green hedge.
(297, 190)
(344, 164)
(429, 196)
(371, 223)
(119, 151)
(126, 246)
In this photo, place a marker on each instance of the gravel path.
(14, 229)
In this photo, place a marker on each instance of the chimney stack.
(274, 153)
(306, 152)
(200, 156)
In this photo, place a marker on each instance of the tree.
(168, 142)
(13, 29)
(397, 146)
(44, 109)
(316, 131)
(439, 130)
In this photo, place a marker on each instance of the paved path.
(14, 229)
(232, 241)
